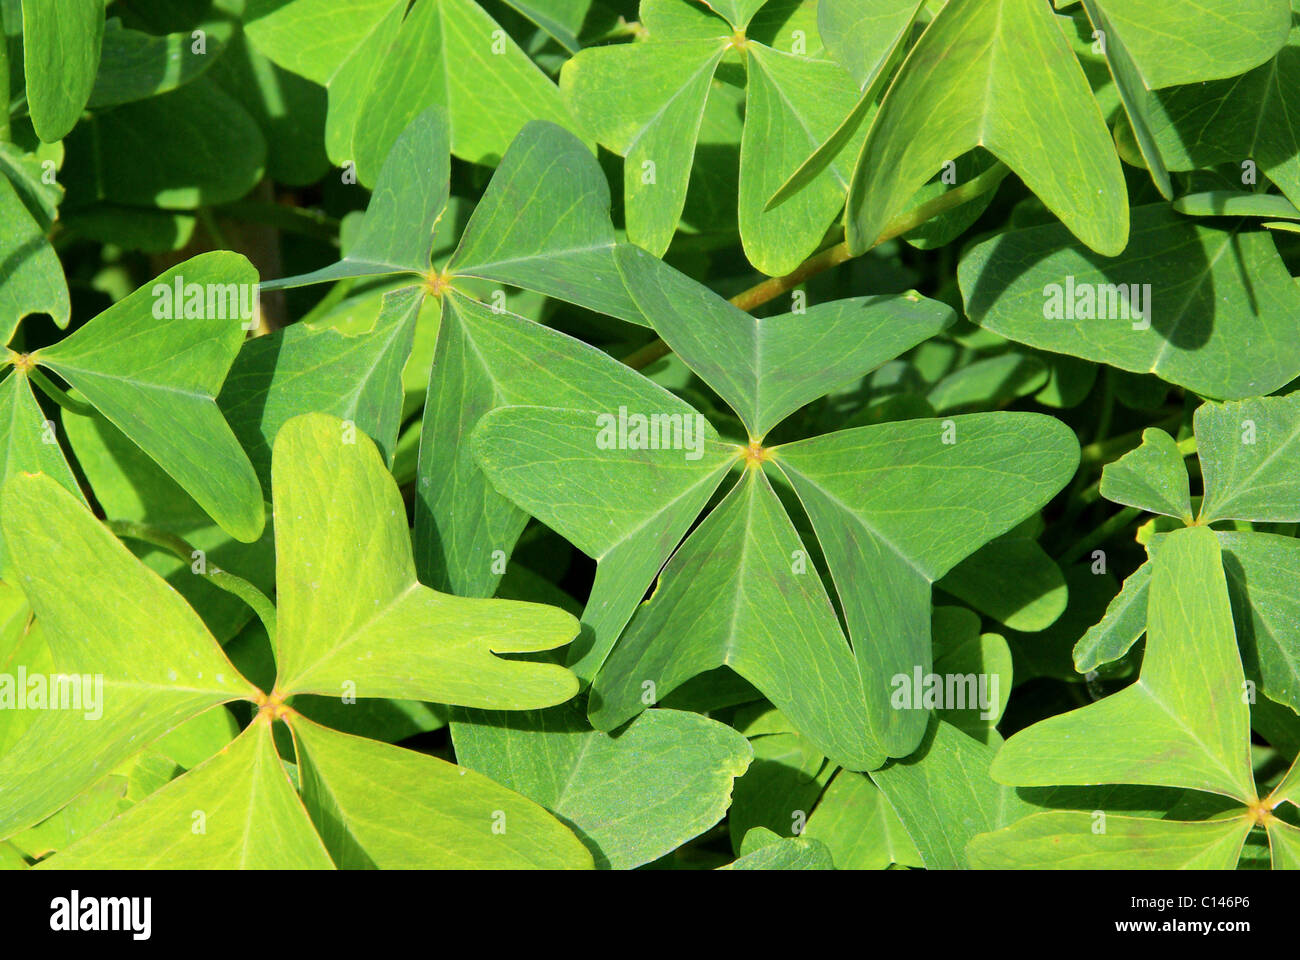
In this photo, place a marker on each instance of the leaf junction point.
(272, 706)
(437, 283)
(754, 454)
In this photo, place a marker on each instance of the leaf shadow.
(1184, 321)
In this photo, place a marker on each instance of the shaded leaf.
(1207, 308)
(1049, 131)
(157, 379)
(1151, 477)
(633, 797)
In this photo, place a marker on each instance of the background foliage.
(978, 322)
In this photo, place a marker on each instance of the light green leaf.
(15, 614)
(486, 359)
(397, 232)
(249, 814)
(944, 796)
(157, 379)
(793, 104)
(1125, 621)
(1289, 788)
(861, 34)
(1071, 840)
(350, 77)
(1284, 844)
(543, 224)
(529, 452)
(876, 495)
(33, 275)
(866, 37)
(1250, 458)
(1151, 477)
(1263, 570)
(737, 12)
(768, 368)
(1250, 117)
(24, 436)
(381, 806)
(353, 617)
(859, 827)
(764, 850)
(1232, 36)
(1012, 580)
(61, 48)
(982, 666)
(312, 37)
(634, 797)
(1217, 306)
(997, 74)
(88, 811)
(645, 101)
(199, 738)
(306, 369)
(730, 596)
(22, 644)
(1233, 203)
(158, 663)
(130, 487)
(1186, 722)
(1132, 85)
(26, 172)
(445, 52)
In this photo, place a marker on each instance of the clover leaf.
(351, 621)
(743, 571)
(163, 398)
(1185, 723)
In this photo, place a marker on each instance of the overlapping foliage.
(798, 434)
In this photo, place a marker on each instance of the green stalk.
(256, 600)
(1074, 503)
(773, 287)
(1112, 448)
(1100, 535)
(58, 395)
(4, 88)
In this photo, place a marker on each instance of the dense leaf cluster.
(765, 434)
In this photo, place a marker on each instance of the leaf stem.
(58, 395)
(1075, 503)
(297, 220)
(1100, 535)
(1104, 451)
(773, 287)
(215, 233)
(256, 600)
(4, 88)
